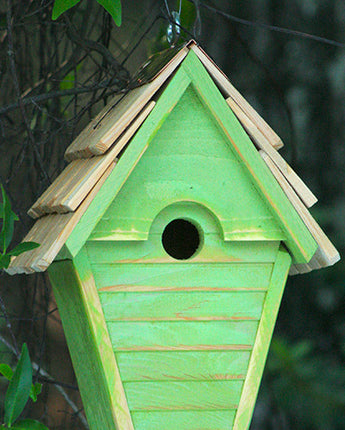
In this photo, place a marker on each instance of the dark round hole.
(180, 239)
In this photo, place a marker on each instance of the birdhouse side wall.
(89, 344)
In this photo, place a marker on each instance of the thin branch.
(51, 95)
(272, 27)
(88, 45)
(15, 349)
(17, 88)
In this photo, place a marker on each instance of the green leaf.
(188, 14)
(60, 6)
(29, 425)
(114, 8)
(8, 218)
(35, 391)
(4, 261)
(6, 371)
(23, 247)
(19, 388)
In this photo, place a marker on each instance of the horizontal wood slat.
(157, 348)
(171, 289)
(182, 306)
(180, 334)
(183, 420)
(79, 177)
(182, 365)
(146, 251)
(185, 395)
(102, 132)
(237, 275)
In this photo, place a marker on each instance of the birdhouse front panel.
(183, 259)
(169, 238)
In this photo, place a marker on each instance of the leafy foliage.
(7, 372)
(61, 6)
(19, 388)
(8, 217)
(18, 393)
(114, 8)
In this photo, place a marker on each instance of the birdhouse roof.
(66, 212)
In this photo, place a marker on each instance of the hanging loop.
(174, 27)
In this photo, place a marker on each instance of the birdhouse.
(168, 239)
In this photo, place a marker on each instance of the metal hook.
(174, 27)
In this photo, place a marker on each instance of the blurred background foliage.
(56, 75)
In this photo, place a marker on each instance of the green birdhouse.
(168, 239)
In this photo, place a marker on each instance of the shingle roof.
(93, 153)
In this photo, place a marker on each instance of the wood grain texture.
(162, 306)
(183, 275)
(182, 306)
(102, 132)
(262, 341)
(182, 365)
(184, 395)
(326, 255)
(184, 420)
(107, 252)
(73, 185)
(89, 343)
(126, 336)
(52, 232)
(230, 91)
(262, 143)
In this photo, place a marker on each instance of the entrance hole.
(181, 239)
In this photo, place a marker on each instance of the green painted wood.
(299, 240)
(127, 336)
(183, 420)
(262, 342)
(178, 166)
(116, 277)
(214, 249)
(182, 365)
(126, 163)
(182, 306)
(88, 340)
(184, 395)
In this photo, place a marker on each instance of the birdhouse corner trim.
(85, 327)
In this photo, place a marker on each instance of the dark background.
(70, 67)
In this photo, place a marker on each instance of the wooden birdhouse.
(168, 239)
